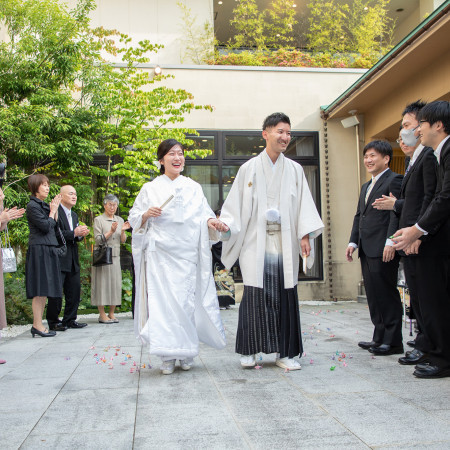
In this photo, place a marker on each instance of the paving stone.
(60, 393)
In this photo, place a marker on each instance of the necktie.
(369, 190)
(69, 219)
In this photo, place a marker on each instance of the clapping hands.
(9, 214)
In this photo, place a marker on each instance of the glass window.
(208, 177)
(301, 146)
(203, 143)
(228, 176)
(244, 145)
(312, 177)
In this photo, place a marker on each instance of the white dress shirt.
(69, 216)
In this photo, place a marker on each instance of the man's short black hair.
(274, 119)
(381, 147)
(438, 111)
(414, 108)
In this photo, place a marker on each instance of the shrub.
(127, 289)
(295, 58)
(18, 307)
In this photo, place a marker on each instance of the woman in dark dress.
(42, 270)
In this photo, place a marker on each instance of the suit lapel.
(63, 216)
(416, 164)
(378, 186)
(74, 220)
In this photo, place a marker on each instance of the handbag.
(8, 255)
(102, 255)
(62, 249)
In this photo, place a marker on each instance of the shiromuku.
(176, 303)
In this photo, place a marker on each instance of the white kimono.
(176, 302)
(244, 211)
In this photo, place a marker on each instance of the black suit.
(371, 228)
(434, 266)
(418, 189)
(70, 274)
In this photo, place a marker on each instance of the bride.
(176, 303)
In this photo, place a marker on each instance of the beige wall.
(433, 83)
(243, 97)
(159, 21)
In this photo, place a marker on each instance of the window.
(230, 149)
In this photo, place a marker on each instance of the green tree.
(42, 127)
(248, 22)
(61, 101)
(198, 40)
(365, 28)
(136, 112)
(369, 27)
(327, 26)
(279, 24)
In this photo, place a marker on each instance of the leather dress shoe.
(413, 357)
(367, 345)
(58, 327)
(412, 343)
(386, 349)
(76, 324)
(428, 371)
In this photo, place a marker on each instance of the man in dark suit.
(433, 230)
(379, 263)
(70, 266)
(417, 192)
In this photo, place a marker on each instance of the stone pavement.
(81, 389)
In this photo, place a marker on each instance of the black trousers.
(432, 282)
(411, 265)
(72, 293)
(383, 298)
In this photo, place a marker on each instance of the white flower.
(157, 164)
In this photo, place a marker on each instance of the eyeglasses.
(399, 140)
(421, 122)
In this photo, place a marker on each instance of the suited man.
(70, 267)
(417, 192)
(379, 263)
(432, 231)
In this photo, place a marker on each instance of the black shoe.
(411, 343)
(367, 345)
(42, 333)
(385, 350)
(58, 327)
(76, 324)
(413, 357)
(427, 371)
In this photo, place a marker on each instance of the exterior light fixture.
(158, 70)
